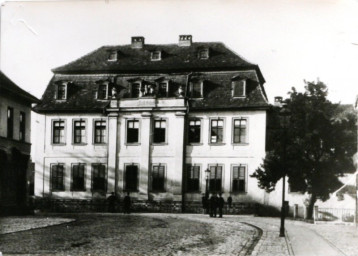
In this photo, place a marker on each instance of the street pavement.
(306, 242)
(172, 234)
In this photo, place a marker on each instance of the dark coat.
(221, 202)
(213, 202)
(127, 201)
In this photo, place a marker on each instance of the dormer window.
(239, 88)
(136, 90)
(163, 89)
(156, 55)
(113, 56)
(203, 54)
(61, 91)
(196, 89)
(102, 91)
(105, 90)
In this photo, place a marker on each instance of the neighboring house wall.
(15, 146)
(18, 107)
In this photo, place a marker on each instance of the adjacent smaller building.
(15, 145)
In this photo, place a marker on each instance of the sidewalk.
(306, 242)
(302, 239)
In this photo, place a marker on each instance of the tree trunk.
(310, 206)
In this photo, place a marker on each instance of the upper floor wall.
(15, 112)
(226, 134)
(15, 120)
(205, 134)
(76, 134)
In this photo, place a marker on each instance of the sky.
(290, 40)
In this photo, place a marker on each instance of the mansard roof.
(217, 90)
(178, 63)
(10, 88)
(173, 58)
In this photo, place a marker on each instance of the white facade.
(116, 153)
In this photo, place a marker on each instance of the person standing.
(112, 199)
(204, 202)
(221, 203)
(127, 204)
(229, 201)
(213, 205)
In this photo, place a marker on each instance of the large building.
(163, 122)
(15, 122)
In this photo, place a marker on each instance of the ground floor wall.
(14, 189)
(174, 198)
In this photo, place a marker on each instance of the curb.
(289, 244)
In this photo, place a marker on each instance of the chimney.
(278, 101)
(185, 40)
(137, 42)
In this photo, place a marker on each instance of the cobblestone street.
(170, 234)
(142, 234)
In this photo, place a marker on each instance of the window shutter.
(104, 173)
(92, 176)
(109, 91)
(73, 170)
(55, 94)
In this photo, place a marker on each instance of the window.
(193, 177)
(240, 130)
(99, 131)
(163, 89)
(102, 91)
(215, 179)
(216, 130)
(135, 90)
(10, 123)
(22, 126)
(196, 88)
(159, 131)
(58, 133)
(239, 88)
(99, 180)
(61, 91)
(79, 132)
(78, 177)
(156, 55)
(132, 131)
(112, 56)
(239, 178)
(203, 54)
(158, 174)
(131, 177)
(57, 173)
(194, 131)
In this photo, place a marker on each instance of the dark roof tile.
(6, 85)
(174, 58)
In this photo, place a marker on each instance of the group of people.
(214, 203)
(113, 201)
(210, 205)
